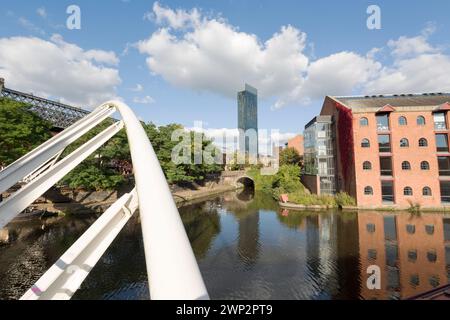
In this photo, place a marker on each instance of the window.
(445, 191)
(367, 165)
(404, 143)
(368, 191)
(412, 255)
(402, 121)
(432, 256)
(372, 254)
(424, 165)
(387, 191)
(363, 122)
(386, 166)
(408, 191)
(370, 228)
(434, 281)
(383, 122)
(429, 229)
(420, 121)
(384, 143)
(426, 192)
(414, 280)
(423, 142)
(406, 165)
(365, 143)
(444, 166)
(442, 143)
(411, 229)
(439, 121)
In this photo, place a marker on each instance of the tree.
(290, 156)
(20, 131)
(100, 172)
(103, 170)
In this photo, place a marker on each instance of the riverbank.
(299, 207)
(65, 201)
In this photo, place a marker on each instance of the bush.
(286, 180)
(345, 200)
(303, 198)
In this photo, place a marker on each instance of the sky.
(184, 61)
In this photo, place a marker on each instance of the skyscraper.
(248, 121)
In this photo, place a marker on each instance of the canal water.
(249, 248)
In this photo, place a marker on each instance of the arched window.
(408, 191)
(424, 165)
(402, 121)
(423, 142)
(420, 121)
(367, 165)
(368, 191)
(363, 122)
(365, 143)
(426, 192)
(406, 165)
(404, 143)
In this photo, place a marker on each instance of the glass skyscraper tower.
(248, 121)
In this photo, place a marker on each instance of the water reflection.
(248, 248)
(414, 251)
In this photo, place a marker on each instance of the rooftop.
(395, 100)
(320, 119)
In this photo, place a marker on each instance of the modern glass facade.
(319, 153)
(248, 121)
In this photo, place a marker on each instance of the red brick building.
(296, 143)
(392, 150)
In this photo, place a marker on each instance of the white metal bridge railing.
(172, 269)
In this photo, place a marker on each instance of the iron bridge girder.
(60, 115)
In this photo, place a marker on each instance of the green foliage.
(103, 176)
(306, 199)
(161, 139)
(345, 200)
(237, 163)
(97, 172)
(90, 176)
(20, 131)
(289, 156)
(286, 180)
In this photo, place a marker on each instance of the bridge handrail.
(172, 269)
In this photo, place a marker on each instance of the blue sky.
(327, 50)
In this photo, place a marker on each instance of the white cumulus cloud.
(204, 53)
(59, 69)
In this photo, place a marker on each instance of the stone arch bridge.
(239, 179)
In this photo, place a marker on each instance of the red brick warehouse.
(390, 151)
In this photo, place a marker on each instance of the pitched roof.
(404, 100)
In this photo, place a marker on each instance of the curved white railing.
(172, 269)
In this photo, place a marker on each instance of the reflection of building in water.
(348, 256)
(248, 242)
(412, 252)
(321, 249)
